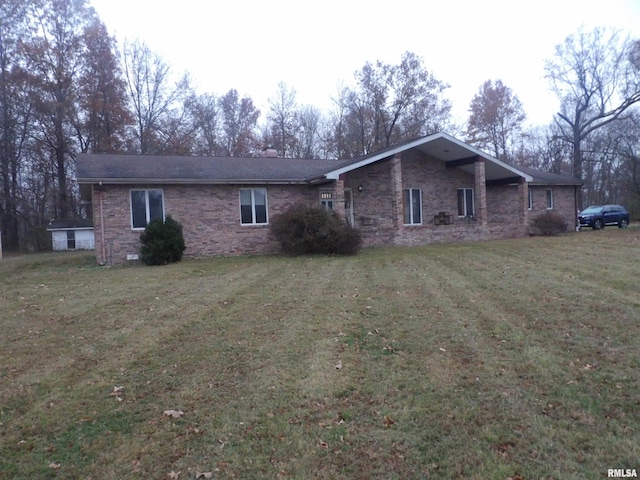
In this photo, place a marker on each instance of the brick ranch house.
(432, 189)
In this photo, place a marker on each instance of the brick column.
(338, 203)
(481, 191)
(396, 190)
(523, 193)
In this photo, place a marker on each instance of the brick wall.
(374, 212)
(210, 217)
(564, 203)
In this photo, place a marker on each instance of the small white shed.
(72, 234)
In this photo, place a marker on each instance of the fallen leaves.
(117, 392)
(173, 413)
(387, 421)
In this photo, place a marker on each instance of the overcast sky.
(251, 45)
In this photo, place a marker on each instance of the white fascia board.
(335, 174)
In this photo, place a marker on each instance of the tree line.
(66, 87)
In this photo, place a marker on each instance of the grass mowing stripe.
(475, 360)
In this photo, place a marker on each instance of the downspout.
(575, 209)
(102, 248)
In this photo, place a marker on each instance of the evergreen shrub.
(162, 242)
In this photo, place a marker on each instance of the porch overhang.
(453, 152)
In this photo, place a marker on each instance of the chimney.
(270, 152)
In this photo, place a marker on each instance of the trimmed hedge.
(306, 230)
(162, 242)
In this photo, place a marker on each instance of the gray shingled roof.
(110, 168)
(173, 169)
(547, 178)
(70, 224)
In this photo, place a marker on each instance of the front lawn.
(478, 361)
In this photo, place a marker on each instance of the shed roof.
(70, 224)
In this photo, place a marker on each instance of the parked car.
(597, 216)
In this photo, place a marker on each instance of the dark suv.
(597, 216)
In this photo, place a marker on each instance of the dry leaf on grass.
(173, 413)
(387, 421)
(55, 466)
(116, 392)
(173, 474)
(204, 475)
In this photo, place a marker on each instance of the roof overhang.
(187, 181)
(445, 148)
(64, 229)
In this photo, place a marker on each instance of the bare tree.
(158, 103)
(282, 119)
(15, 115)
(207, 119)
(595, 77)
(239, 118)
(629, 145)
(392, 103)
(102, 114)
(495, 120)
(543, 150)
(307, 132)
(55, 56)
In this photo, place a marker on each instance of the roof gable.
(443, 147)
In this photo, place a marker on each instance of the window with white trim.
(466, 207)
(412, 206)
(530, 199)
(71, 240)
(549, 199)
(253, 206)
(146, 205)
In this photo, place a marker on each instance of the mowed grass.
(484, 361)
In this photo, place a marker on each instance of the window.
(146, 205)
(253, 206)
(326, 199)
(71, 240)
(549, 199)
(465, 202)
(530, 199)
(412, 206)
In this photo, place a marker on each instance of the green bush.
(162, 242)
(304, 230)
(548, 224)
